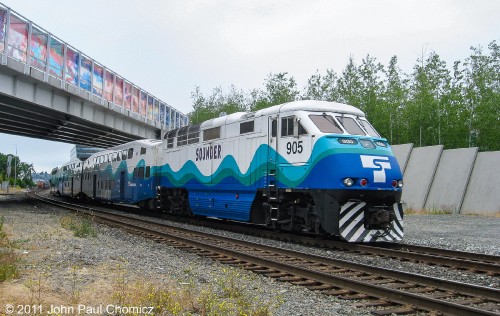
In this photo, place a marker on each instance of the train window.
(246, 127)
(148, 171)
(130, 153)
(124, 154)
(143, 151)
(350, 125)
(118, 156)
(140, 173)
(170, 138)
(211, 133)
(182, 136)
(326, 124)
(194, 134)
(302, 130)
(274, 128)
(287, 126)
(368, 128)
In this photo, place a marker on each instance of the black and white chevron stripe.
(352, 229)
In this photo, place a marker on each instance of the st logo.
(380, 163)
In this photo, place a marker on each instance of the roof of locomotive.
(311, 105)
(302, 105)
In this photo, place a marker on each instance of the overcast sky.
(170, 47)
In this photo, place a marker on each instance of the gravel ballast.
(95, 266)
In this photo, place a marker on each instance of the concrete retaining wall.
(483, 195)
(419, 174)
(450, 181)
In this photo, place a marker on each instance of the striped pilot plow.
(352, 224)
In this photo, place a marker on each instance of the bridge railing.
(28, 48)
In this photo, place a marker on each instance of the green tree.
(395, 97)
(322, 87)
(428, 84)
(482, 93)
(349, 85)
(280, 88)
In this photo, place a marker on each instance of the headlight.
(348, 182)
(400, 184)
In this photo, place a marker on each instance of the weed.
(227, 295)
(36, 285)
(81, 227)
(8, 266)
(8, 259)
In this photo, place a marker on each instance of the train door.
(94, 186)
(122, 185)
(272, 171)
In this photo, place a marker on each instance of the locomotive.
(305, 166)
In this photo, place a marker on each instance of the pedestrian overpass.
(53, 91)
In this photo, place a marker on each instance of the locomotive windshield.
(326, 123)
(368, 128)
(336, 125)
(350, 125)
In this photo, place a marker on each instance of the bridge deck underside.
(22, 118)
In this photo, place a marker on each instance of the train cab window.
(182, 136)
(148, 171)
(246, 127)
(302, 130)
(193, 136)
(370, 130)
(211, 133)
(350, 125)
(143, 151)
(170, 138)
(326, 123)
(130, 153)
(287, 126)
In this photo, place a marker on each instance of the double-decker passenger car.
(66, 180)
(122, 174)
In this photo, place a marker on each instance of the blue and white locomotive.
(309, 166)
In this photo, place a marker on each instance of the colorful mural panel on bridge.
(108, 86)
(72, 61)
(18, 39)
(56, 58)
(98, 80)
(38, 49)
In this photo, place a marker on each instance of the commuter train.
(309, 166)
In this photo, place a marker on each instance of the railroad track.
(387, 291)
(472, 262)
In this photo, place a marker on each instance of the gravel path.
(94, 269)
